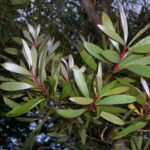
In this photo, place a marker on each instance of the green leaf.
(88, 59)
(140, 70)
(117, 90)
(109, 86)
(12, 51)
(130, 129)
(143, 46)
(17, 40)
(107, 22)
(111, 55)
(116, 99)
(112, 34)
(111, 118)
(25, 107)
(140, 33)
(129, 59)
(141, 49)
(15, 86)
(94, 50)
(10, 103)
(140, 61)
(15, 68)
(83, 136)
(110, 109)
(70, 113)
(66, 91)
(34, 57)
(23, 119)
(124, 23)
(81, 100)
(80, 81)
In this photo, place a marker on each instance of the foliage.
(88, 102)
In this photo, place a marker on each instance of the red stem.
(39, 85)
(115, 68)
(92, 105)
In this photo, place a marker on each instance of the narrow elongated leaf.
(15, 86)
(70, 113)
(130, 129)
(147, 144)
(140, 70)
(12, 51)
(111, 55)
(71, 62)
(140, 61)
(111, 118)
(107, 22)
(83, 136)
(117, 90)
(116, 99)
(111, 34)
(111, 109)
(15, 68)
(10, 103)
(94, 50)
(34, 58)
(124, 23)
(80, 81)
(27, 53)
(27, 35)
(32, 31)
(145, 86)
(141, 49)
(64, 72)
(81, 100)
(88, 59)
(129, 59)
(144, 41)
(66, 91)
(140, 33)
(25, 107)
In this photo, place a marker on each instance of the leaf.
(27, 53)
(140, 33)
(71, 62)
(107, 22)
(12, 51)
(34, 57)
(130, 129)
(111, 55)
(83, 136)
(32, 31)
(25, 107)
(66, 91)
(81, 100)
(111, 118)
(70, 113)
(94, 50)
(15, 86)
(10, 103)
(110, 109)
(116, 99)
(64, 72)
(124, 23)
(140, 70)
(129, 59)
(27, 35)
(80, 81)
(140, 61)
(88, 59)
(117, 90)
(112, 34)
(17, 40)
(109, 86)
(141, 49)
(145, 86)
(15, 68)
